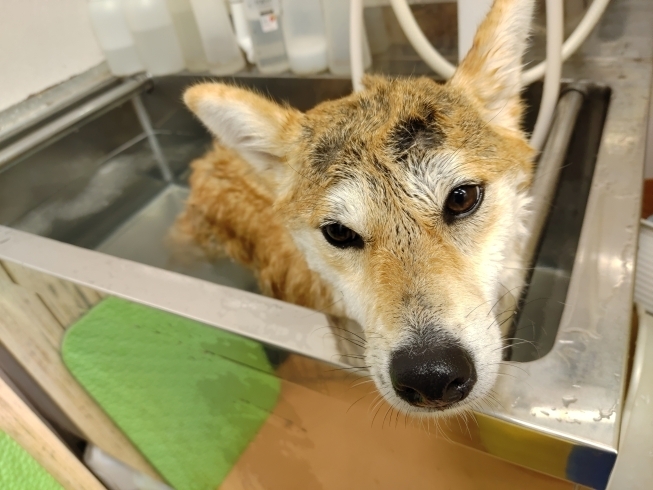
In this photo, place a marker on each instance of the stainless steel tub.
(122, 201)
(557, 409)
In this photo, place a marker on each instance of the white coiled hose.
(557, 52)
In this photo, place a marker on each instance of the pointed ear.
(491, 72)
(257, 128)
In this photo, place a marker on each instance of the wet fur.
(382, 162)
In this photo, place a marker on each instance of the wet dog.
(402, 207)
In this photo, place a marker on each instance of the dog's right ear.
(257, 128)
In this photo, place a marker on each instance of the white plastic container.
(154, 36)
(114, 37)
(188, 34)
(305, 35)
(218, 38)
(336, 17)
(264, 25)
(237, 8)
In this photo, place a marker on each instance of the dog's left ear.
(491, 72)
(257, 128)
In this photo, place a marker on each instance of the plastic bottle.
(114, 37)
(264, 24)
(237, 9)
(218, 38)
(154, 36)
(305, 35)
(188, 34)
(336, 17)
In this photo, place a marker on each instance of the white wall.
(42, 43)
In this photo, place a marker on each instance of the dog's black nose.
(432, 377)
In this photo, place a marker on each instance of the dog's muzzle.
(434, 375)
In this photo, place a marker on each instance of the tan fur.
(381, 162)
(230, 211)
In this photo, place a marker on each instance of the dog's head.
(408, 198)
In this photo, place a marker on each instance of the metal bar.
(290, 327)
(56, 127)
(549, 167)
(144, 119)
(51, 105)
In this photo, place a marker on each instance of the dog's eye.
(340, 236)
(464, 200)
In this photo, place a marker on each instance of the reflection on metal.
(558, 219)
(40, 107)
(286, 326)
(549, 165)
(142, 239)
(56, 127)
(574, 416)
(558, 414)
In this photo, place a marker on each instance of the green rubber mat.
(19, 470)
(190, 397)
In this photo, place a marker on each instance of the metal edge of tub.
(559, 414)
(37, 108)
(57, 128)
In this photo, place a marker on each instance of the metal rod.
(55, 128)
(144, 119)
(549, 167)
(50, 109)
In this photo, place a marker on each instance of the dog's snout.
(432, 377)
